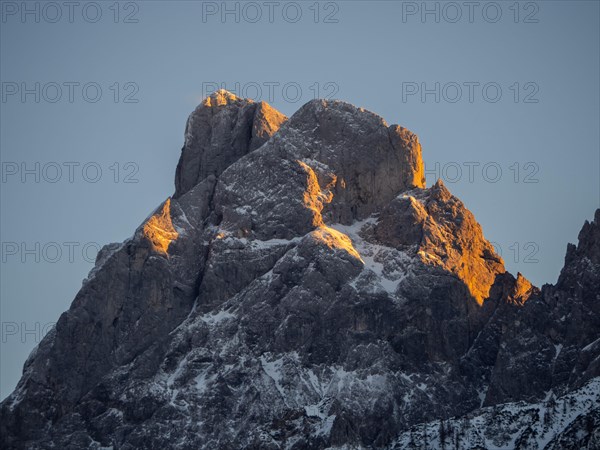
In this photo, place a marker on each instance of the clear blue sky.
(373, 54)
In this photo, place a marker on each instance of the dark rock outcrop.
(554, 343)
(220, 131)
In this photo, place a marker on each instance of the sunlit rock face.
(445, 234)
(159, 229)
(303, 288)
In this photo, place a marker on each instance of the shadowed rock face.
(220, 131)
(302, 289)
(335, 161)
(555, 343)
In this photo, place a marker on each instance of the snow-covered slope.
(566, 422)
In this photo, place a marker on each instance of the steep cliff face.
(554, 341)
(220, 131)
(302, 289)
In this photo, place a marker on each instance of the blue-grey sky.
(542, 132)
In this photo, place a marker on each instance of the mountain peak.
(582, 261)
(303, 288)
(222, 129)
(222, 97)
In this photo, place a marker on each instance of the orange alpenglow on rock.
(314, 196)
(454, 240)
(521, 290)
(335, 240)
(446, 235)
(220, 98)
(159, 229)
(314, 199)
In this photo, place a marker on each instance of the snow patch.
(214, 318)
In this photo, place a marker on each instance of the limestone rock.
(221, 130)
(304, 289)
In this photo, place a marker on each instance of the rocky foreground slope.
(304, 289)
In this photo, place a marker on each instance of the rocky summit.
(304, 289)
